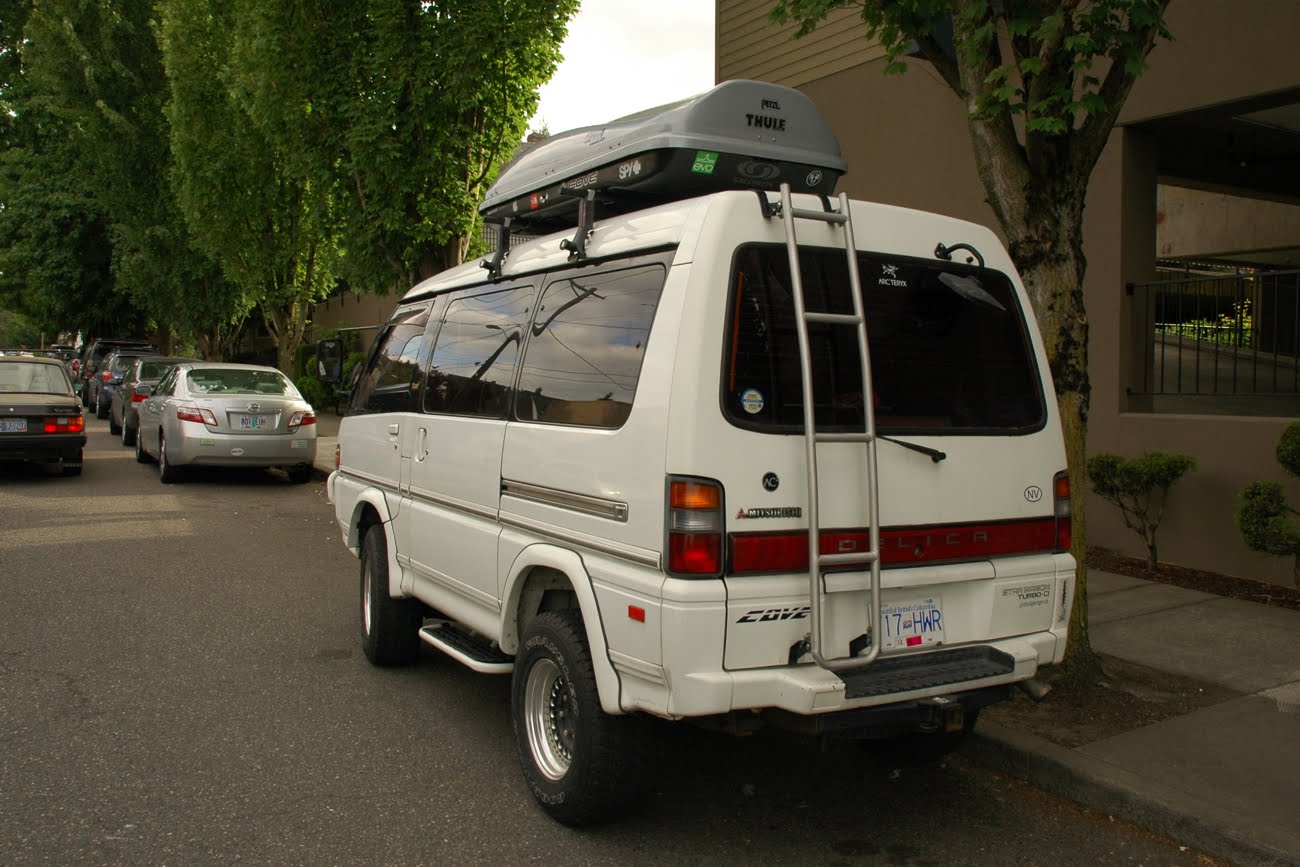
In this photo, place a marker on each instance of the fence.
(1220, 336)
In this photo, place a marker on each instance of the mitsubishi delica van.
(710, 444)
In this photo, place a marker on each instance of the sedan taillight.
(64, 424)
(137, 397)
(298, 419)
(202, 415)
(108, 374)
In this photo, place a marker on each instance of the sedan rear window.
(20, 377)
(950, 349)
(235, 381)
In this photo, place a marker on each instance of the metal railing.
(1221, 335)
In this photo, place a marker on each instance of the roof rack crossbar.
(577, 246)
(493, 265)
(766, 206)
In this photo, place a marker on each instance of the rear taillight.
(1061, 509)
(694, 524)
(298, 419)
(63, 424)
(137, 397)
(202, 415)
(107, 375)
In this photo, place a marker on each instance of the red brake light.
(202, 415)
(694, 522)
(1061, 510)
(63, 424)
(137, 397)
(108, 374)
(298, 419)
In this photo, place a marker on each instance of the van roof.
(739, 135)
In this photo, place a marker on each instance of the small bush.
(1140, 488)
(1265, 519)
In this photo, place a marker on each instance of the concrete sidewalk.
(1224, 779)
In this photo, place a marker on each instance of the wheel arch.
(545, 577)
(371, 508)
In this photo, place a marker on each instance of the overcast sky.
(622, 56)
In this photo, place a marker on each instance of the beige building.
(1199, 189)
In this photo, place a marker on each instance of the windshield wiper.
(934, 454)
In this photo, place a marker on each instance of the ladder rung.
(833, 318)
(866, 558)
(823, 216)
(843, 437)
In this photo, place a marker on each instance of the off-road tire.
(390, 628)
(581, 764)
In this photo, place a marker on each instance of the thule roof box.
(739, 135)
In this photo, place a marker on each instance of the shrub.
(1265, 519)
(1140, 488)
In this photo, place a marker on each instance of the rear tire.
(167, 473)
(101, 411)
(128, 433)
(390, 628)
(299, 473)
(114, 428)
(581, 764)
(141, 456)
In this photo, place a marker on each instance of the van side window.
(390, 380)
(472, 369)
(950, 350)
(584, 354)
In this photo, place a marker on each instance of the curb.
(1139, 800)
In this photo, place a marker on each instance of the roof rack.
(747, 135)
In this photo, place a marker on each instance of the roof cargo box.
(739, 135)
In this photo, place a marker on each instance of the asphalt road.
(181, 683)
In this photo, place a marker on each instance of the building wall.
(906, 143)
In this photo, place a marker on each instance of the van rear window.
(950, 351)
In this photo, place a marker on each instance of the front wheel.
(390, 628)
(581, 764)
(141, 456)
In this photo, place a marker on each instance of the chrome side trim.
(639, 556)
(381, 483)
(455, 505)
(601, 508)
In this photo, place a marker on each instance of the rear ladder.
(817, 561)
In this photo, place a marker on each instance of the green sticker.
(705, 162)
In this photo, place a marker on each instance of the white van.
(598, 460)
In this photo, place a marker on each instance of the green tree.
(405, 109)
(1042, 83)
(244, 197)
(1266, 521)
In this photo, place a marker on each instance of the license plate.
(255, 422)
(13, 425)
(914, 623)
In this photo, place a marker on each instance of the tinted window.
(584, 354)
(949, 346)
(235, 380)
(389, 381)
(472, 368)
(168, 382)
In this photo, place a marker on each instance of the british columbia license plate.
(913, 623)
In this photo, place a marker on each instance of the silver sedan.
(226, 415)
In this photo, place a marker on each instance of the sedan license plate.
(914, 623)
(13, 425)
(255, 422)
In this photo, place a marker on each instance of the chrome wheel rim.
(550, 716)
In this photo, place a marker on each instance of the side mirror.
(143, 389)
(329, 361)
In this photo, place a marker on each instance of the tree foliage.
(1139, 487)
(1042, 83)
(1266, 521)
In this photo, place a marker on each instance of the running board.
(467, 647)
(926, 670)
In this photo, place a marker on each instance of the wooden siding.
(749, 47)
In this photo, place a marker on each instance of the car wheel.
(101, 411)
(299, 474)
(390, 628)
(167, 473)
(141, 456)
(113, 427)
(72, 468)
(128, 434)
(581, 764)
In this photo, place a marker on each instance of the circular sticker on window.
(752, 400)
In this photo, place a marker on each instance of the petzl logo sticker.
(813, 179)
(705, 162)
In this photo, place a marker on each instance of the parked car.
(105, 380)
(40, 420)
(93, 353)
(137, 384)
(208, 413)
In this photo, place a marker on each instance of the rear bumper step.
(468, 647)
(926, 670)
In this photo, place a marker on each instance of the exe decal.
(779, 512)
(771, 615)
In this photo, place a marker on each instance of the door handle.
(421, 443)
